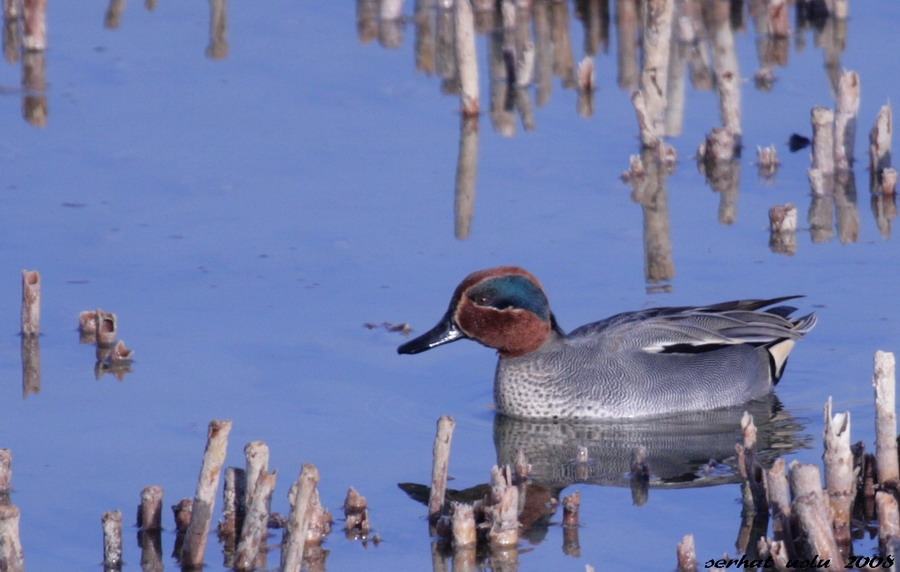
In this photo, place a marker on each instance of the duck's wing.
(698, 329)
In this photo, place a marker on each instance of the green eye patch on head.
(511, 292)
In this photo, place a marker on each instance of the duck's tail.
(779, 350)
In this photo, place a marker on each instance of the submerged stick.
(298, 523)
(205, 497)
(442, 441)
(112, 540)
(31, 302)
(12, 558)
(885, 417)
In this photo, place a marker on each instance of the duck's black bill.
(443, 333)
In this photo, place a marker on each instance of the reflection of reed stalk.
(466, 58)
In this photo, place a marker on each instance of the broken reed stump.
(233, 510)
(12, 558)
(253, 533)
(503, 513)
(813, 514)
(356, 515)
(5, 475)
(840, 476)
(442, 441)
(466, 58)
(778, 496)
(205, 497)
(880, 146)
(149, 516)
(31, 302)
(687, 554)
(884, 383)
(749, 468)
(295, 532)
(783, 229)
(462, 522)
(112, 540)
(888, 522)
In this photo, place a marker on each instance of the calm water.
(244, 215)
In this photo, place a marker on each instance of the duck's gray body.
(652, 363)
(643, 363)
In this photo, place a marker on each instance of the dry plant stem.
(880, 141)
(727, 72)
(87, 327)
(777, 551)
(257, 455)
(5, 471)
(840, 476)
(255, 522)
(813, 514)
(12, 558)
(822, 120)
(846, 110)
(885, 417)
(888, 520)
(298, 523)
(112, 540)
(356, 514)
(687, 554)
(439, 469)
(107, 327)
(462, 521)
(182, 514)
(34, 25)
(503, 512)
(205, 496)
(150, 512)
(31, 302)
(319, 521)
(466, 58)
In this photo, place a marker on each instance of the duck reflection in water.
(688, 450)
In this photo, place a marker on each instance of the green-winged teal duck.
(641, 363)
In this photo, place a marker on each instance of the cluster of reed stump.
(814, 526)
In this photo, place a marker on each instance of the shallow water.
(245, 216)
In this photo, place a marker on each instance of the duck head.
(503, 308)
